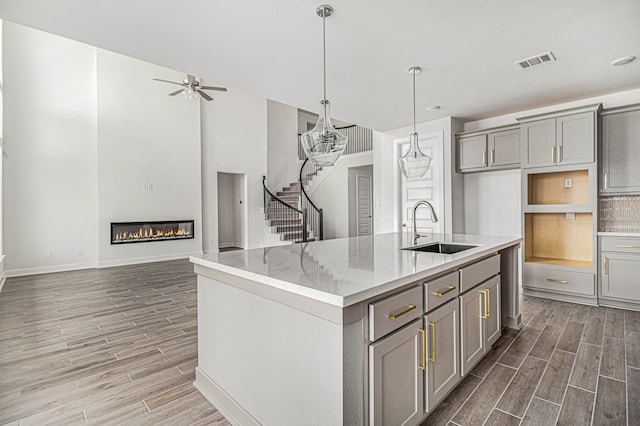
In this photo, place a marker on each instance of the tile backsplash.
(620, 213)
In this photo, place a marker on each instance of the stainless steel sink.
(443, 248)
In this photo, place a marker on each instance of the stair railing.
(276, 209)
(316, 218)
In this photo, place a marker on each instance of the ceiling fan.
(192, 88)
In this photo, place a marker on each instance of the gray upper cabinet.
(620, 151)
(491, 149)
(562, 138)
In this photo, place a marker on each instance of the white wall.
(234, 138)
(84, 134)
(145, 137)
(50, 183)
(282, 144)
(332, 194)
(1, 161)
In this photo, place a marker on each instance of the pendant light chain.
(414, 101)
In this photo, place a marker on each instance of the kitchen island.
(291, 335)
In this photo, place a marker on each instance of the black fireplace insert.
(143, 232)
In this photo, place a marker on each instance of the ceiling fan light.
(190, 94)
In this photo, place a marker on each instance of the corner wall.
(282, 144)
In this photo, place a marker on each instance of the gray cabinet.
(619, 272)
(443, 365)
(563, 138)
(396, 378)
(479, 322)
(620, 151)
(491, 149)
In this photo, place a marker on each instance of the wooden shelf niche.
(549, 188)
(553, 239)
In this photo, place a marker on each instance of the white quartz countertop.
(346, 271)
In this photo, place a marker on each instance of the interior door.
(364, 191)
(427, 188)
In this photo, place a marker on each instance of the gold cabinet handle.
(604, 262)
(493, 156)
(433, 342)
(442, 293)
(605, 180)
(625, 246)
(553, 154)
(551, 280)
(423, 360)
(488, 303)
(485, 314)
(399, 314)
(484, 158)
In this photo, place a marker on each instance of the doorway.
(231, 211)
(360, 201)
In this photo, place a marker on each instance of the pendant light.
(323, 144)
(414, 164)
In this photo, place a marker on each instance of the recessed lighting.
(623, 61)
(433, 108)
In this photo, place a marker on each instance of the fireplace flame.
(150, 233)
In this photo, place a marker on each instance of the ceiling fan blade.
(176, 92)
(221, 89)
(191, 79)
(204, 95)
(167, 81)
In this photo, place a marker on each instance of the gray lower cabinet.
(396, 379)
(443, 364)
(562, 138)
(620, 151)
(619, 271)
(479, 322)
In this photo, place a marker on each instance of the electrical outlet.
(567, 183)
(48, 254)
(80, 252)
(570, 216)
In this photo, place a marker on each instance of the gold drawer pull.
(604, 261)
(553, 154)
(433, 342)
(625, 246)
(451, 288)
(551, 280)
(398, 315)
(486, 312)
(423, 361)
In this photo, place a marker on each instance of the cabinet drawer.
(395, 311)
(441, 290)
(474, 274)
(560, 281)
(620, 244)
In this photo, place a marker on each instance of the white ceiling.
(273, 49)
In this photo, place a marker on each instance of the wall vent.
(534, 61)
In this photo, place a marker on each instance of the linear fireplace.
(142, 232)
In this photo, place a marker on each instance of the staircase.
(285, 211)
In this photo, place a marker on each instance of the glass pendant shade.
(323, 144)
(414, 164)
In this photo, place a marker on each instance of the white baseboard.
(135, 261)
(229, 408)
(234, 244)
(48, 269)
(3, 275)
(3, 279)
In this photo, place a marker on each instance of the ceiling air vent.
(534, 61)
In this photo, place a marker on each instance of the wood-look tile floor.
(569, 365)
(119, 346)
(102, 346)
